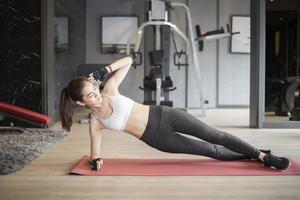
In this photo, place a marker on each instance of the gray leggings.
(164, 123)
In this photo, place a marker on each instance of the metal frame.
(194, 54)
(191, 44)
(137, 36)
(38, 125)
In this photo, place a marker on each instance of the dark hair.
(72, 91)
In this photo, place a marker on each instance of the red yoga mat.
(180, 167)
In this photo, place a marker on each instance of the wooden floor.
(47, 177)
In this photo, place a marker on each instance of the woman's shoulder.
(95, 122)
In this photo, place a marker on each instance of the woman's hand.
(92, 79)
(101, 74)
(96, 164)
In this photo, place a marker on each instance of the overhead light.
(272, 1)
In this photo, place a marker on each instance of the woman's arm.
(121, 67)
(96, 131)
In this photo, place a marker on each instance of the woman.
(154, 125)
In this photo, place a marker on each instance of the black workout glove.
(93, 163)
(101, 74)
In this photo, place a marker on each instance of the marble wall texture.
(20, 53)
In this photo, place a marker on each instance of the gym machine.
(284, 96)
(158, 81)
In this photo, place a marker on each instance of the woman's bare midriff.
(137, 120)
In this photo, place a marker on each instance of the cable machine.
(158, 81)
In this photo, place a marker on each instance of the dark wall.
(95, 9)
(67, 60)
(20, 53)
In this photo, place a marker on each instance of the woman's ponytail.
(65, 110)
(69, 94)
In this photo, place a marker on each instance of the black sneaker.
(265, 151)
(271, 160)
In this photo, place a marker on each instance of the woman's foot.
(265, 151)
(270, 160)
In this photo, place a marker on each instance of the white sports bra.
(122, 107)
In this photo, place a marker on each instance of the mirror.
(282, 86)
(116, 32)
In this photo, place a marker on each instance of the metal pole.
(195, 57)
(137, 35)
